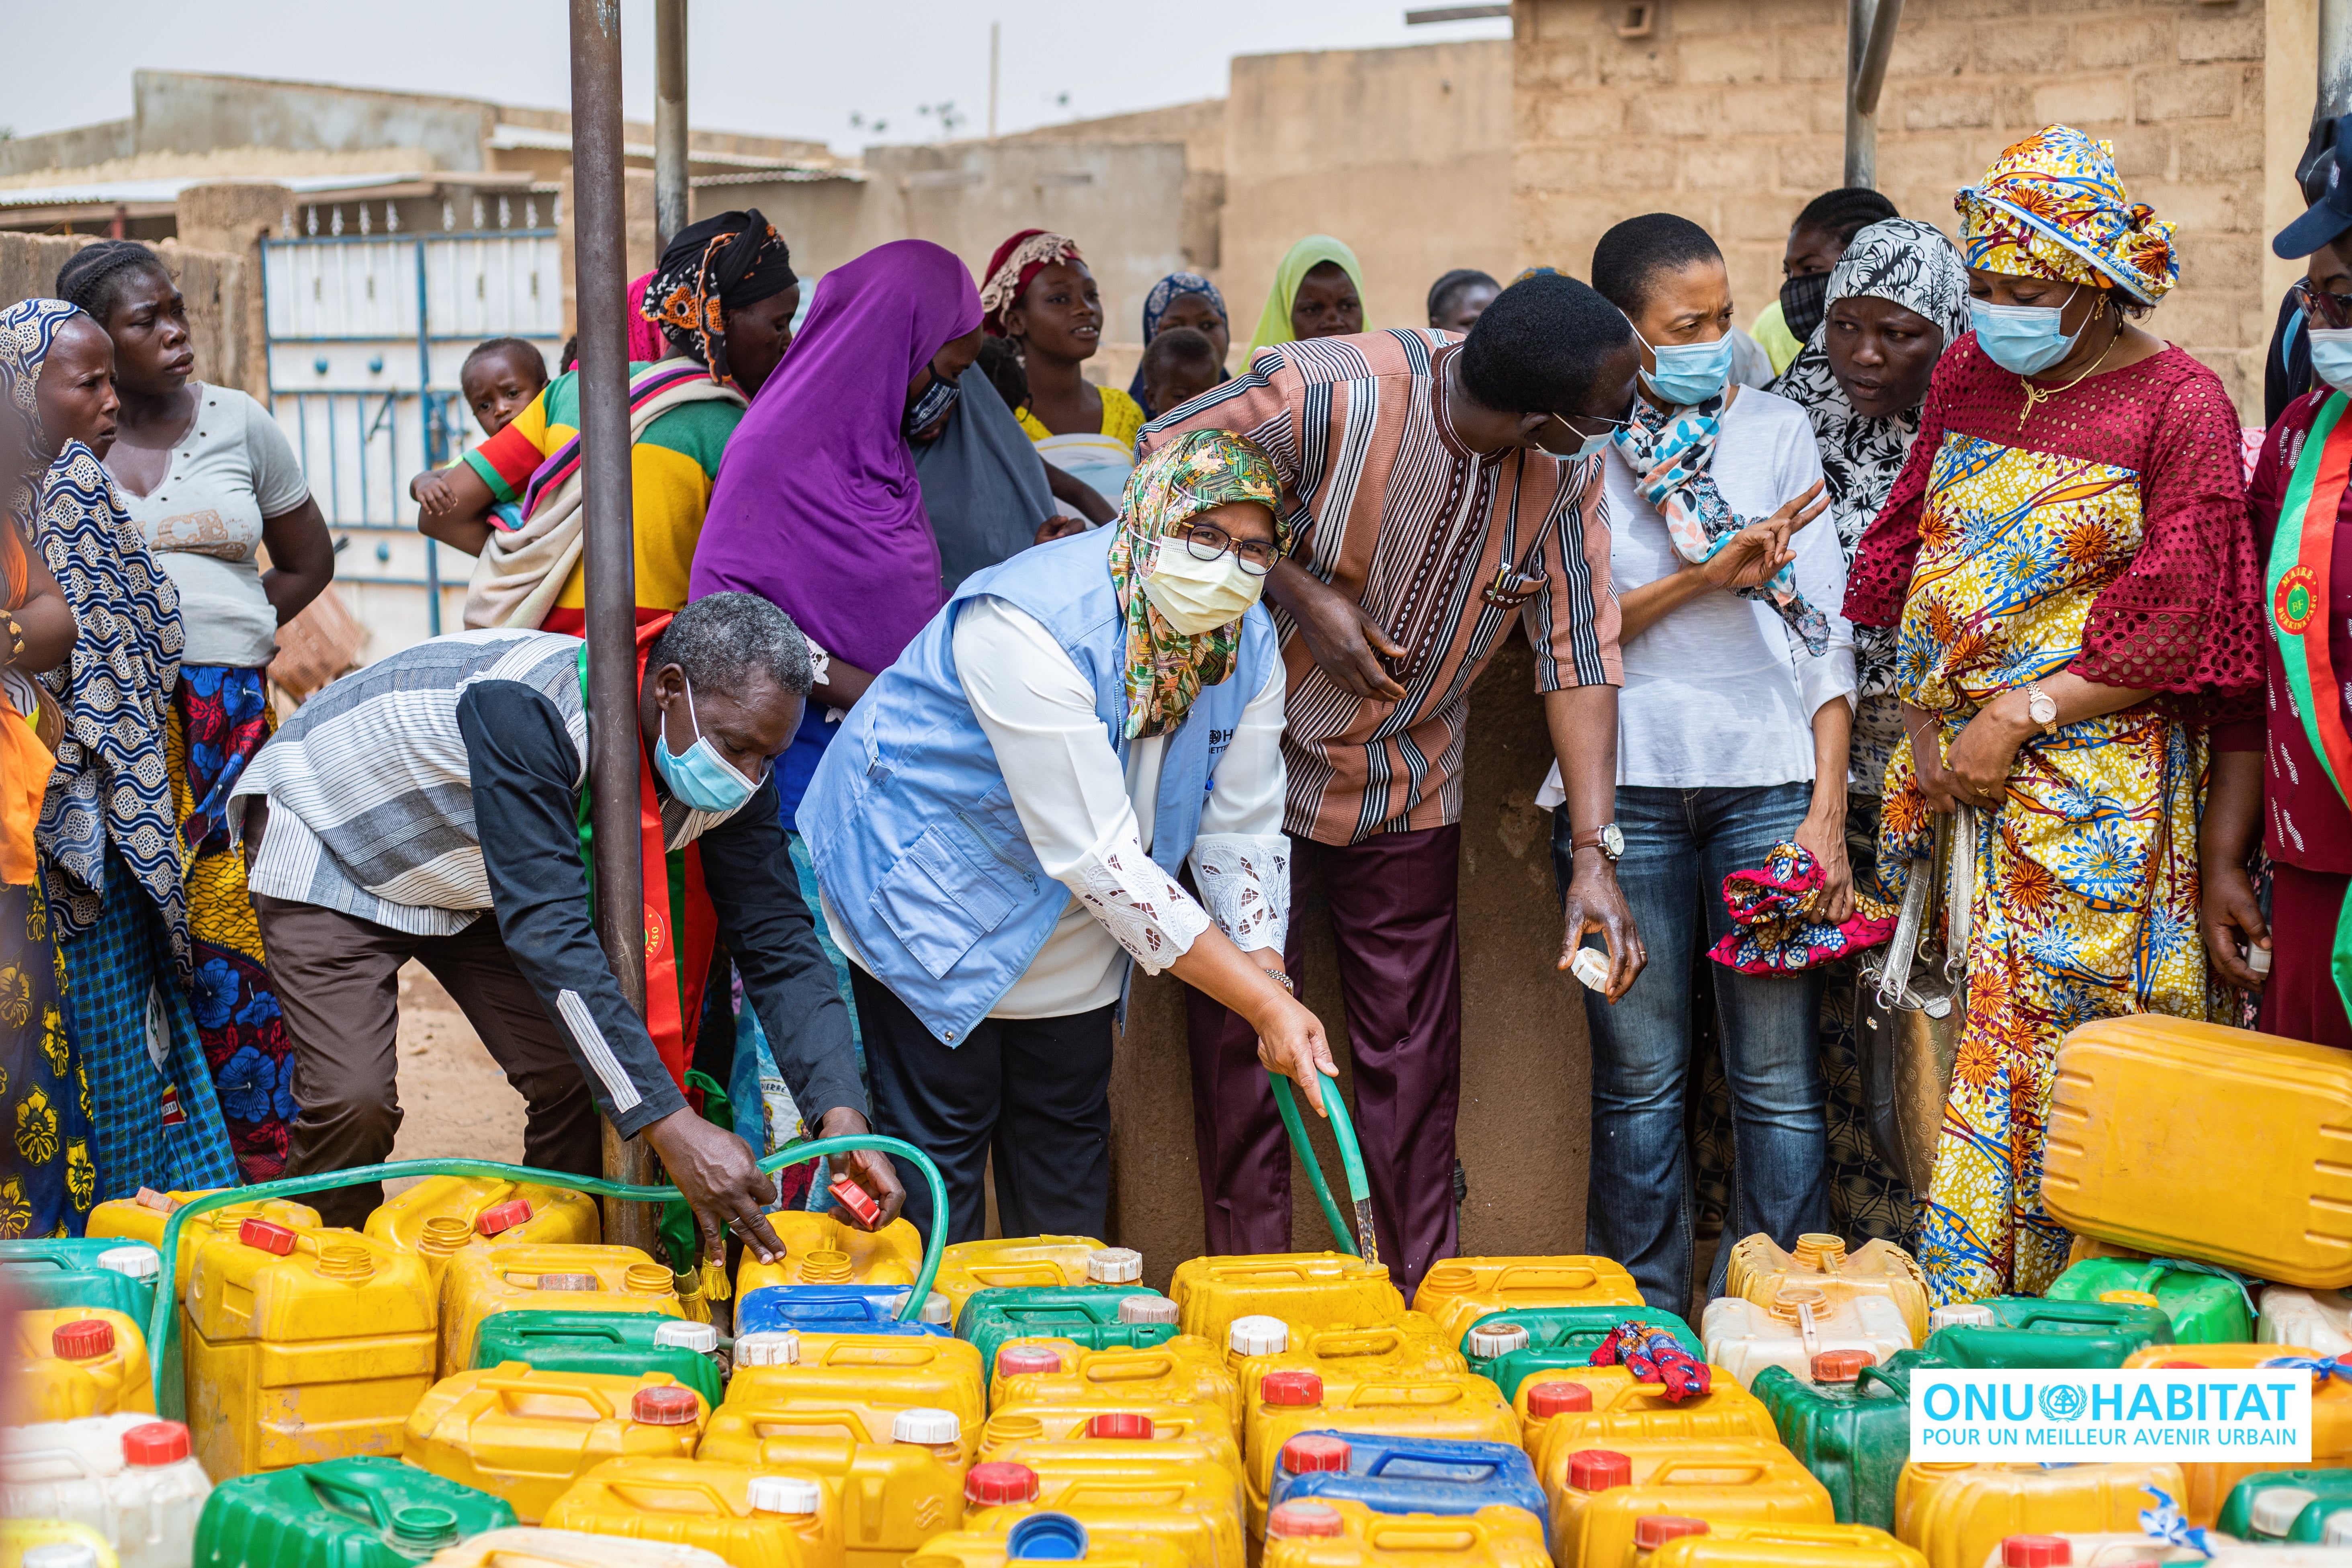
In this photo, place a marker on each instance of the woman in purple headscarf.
(817, 508)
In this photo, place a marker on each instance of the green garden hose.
(1365, 1244)
(164, 1324)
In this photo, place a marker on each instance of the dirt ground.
(454, 1100)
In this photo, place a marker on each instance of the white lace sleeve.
(1244, 880)
(1140, 905)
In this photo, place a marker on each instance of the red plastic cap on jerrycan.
(1303, 1519)
(1291, 1388)
(1655, 1529)
(1129, 1424)
(1841, 1366)
(155, 1443)
(1311, 1452)
(1545, 1400)
(84, 1339)
(1012, 1360)
(856, 1199)
(270, 1238)
(986, 1486)
(1598, 1469)
(673, 1406)
(2036, 1552)
(502, 1216)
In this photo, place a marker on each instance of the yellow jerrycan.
(526, 1436)
(754, 1518)
(1604, 1407)
(533, 1546)
(861, 1381)
(1162, 1492)
(1663, 1541)
(1097, 1549)
(2140, 1100)
(894, 1495)
(2207, 1482)
(1413, 1346)
(1459, 1291)
(1759, 1270)
(303, 1344)
(73, 1362)
(1071, 1423)
(1599, 1496)
(441, 1215)
(1459, 1405)
(1305, 1289)
(1042, 1261)
(1956, 1515)
(1185, 1370)
(142, 1218)
(821, 1250)
(1341, 1532)
(479, 1285)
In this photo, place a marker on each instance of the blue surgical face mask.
(2331, 356)
(2023, 339)
(1689, 372)
(699, 775)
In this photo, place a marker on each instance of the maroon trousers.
(1392, 901)
(2300, 1002)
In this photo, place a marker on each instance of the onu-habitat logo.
(2261, 1416)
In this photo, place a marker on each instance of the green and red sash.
(2302, 568)
(681, 930)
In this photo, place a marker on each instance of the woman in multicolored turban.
(2067, 555)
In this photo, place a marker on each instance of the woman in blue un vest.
(998, 828)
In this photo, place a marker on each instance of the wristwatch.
(1605, 839)
(2041, 708)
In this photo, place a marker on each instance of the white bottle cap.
(1960, 1315)
(2275, 1508)
(937, 1309)
(929, 1427)
(1114, 1265)
(767, 1348)
(784, 1494)
(699, 1338)
(1259, 1336)
(60, 1554)
(2258, 959)
(1500, 1339)
(2339, 1529)
(137, 1262)
(1590, 965)
(1146, 1310)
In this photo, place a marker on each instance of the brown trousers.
(338, 979)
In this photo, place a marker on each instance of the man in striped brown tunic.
(1440, 487)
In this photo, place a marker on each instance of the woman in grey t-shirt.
(209, 478)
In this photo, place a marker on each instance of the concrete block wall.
(1732, 113)
(220, 313)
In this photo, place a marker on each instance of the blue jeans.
(1679, 845)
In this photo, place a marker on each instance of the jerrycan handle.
(1897, 1383)
(1749, 1473)
(1339, 1343)
(802, 1420)
(586, 1393)
(1129, 1366)
(1457, 1470)
(906, 1352)
(26, 1264)
(631, 1492)
(1418, 1394)
(1546, 1276)
(362, 1497)
(1424, 1534)
(18, 1455)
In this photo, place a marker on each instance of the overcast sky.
(783, 68)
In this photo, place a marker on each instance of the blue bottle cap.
(1047, 1538)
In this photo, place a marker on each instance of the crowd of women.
(1948, 550)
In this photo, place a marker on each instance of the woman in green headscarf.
(1319, 292)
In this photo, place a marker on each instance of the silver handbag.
(1911, 1002)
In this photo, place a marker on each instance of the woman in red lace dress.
(2068, 558)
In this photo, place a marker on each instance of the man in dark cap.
(2286, 369)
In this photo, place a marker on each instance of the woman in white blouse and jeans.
(1733, 727)
(999, 826)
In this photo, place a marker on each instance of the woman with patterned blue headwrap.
(1183, 299)
(108, 846)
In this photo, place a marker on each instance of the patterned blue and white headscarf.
(1164, 293)
(110, 780)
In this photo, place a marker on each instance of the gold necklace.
(2036, 395)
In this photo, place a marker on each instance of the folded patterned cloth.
(1775, 936)
(1653, 1356)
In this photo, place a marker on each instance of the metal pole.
(995, 32)
(673, 198)
(599, 226)
(1860, 125)
(2334, 59)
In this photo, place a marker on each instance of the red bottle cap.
(985, 1486)
(1545, 1400)
(1841, 1366)
(2036, 1552)
(1291, 1388)
(1312, 1451)
(1653, 1530)
(84, 1339)
(155, 1443)
(1131, 1424)
(270, 1238)
(1291, 1520)
(669, 1404)
(856, 1199)
(502, 1216)
(1014, 1361)
(1598, 1469)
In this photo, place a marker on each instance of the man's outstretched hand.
(720, 1181)
(869, 1168)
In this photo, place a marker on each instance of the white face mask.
(2331, 355)
(1196, 596)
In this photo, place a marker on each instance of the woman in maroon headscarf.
(817, 508)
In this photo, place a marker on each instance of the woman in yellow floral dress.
(2068, 558)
